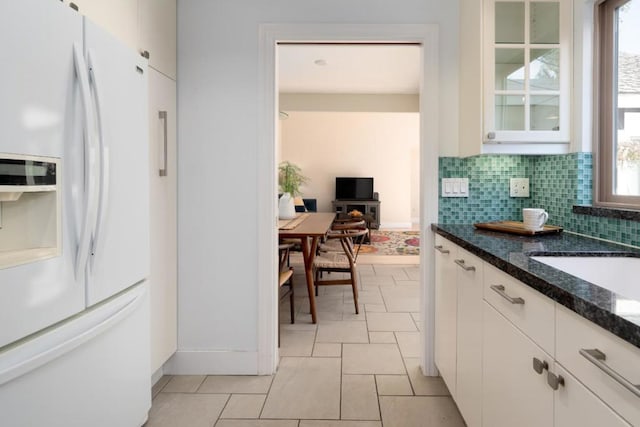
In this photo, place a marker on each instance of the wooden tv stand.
(369, 208)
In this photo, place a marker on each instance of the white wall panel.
(218, 104)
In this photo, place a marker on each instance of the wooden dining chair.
(338, 227)
(341, 262)
(285, 280)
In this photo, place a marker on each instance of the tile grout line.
(404, 363)
(201, 382)
(375, 379)
(223, 408)
(273, 378)
(341, 376)
(315, 337)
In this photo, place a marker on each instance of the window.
(617, 109)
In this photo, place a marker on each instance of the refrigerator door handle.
(63, 338)
(103, 179)
(89, 133)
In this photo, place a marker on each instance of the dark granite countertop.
(511, 254)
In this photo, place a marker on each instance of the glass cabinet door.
(527, 71)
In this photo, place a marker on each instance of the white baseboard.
(212, 363)
(405, 225)
(155, 377)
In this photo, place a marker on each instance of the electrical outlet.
(519, 187)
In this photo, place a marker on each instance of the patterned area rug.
(393, 242)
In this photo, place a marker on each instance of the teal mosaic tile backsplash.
(557, 182)
(488, 188)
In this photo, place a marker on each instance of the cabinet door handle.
(554, 381)
(597, 357)
(499, 289)
(540, 365)
(145, 54)
(441, 249)
(465, 267)
(162, 115)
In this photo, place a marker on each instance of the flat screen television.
(353, 188)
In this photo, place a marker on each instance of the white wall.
(382, 145)
(218, 67)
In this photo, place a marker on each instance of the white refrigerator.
(74, 311)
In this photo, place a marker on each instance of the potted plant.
(290, 179)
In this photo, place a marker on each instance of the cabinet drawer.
(574, 333)
(575, 405)
(513, 394)
(443, 245)
(526, 308)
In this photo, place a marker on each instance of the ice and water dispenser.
(30, 209)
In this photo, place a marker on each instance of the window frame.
(604, 114)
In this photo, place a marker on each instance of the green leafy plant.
(290, 178)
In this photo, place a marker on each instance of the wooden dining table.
(309, 227)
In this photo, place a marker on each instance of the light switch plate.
(519, 187)
(455, 187)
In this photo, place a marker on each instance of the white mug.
(534, 219)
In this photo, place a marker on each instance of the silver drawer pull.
(540, 365)
(554, 381)
(441, 249)
(597, 357)
(499, 289)
(465, 267)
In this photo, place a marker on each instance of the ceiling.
(349, 68)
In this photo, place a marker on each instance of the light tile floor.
(347, 371)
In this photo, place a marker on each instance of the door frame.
(270, 35)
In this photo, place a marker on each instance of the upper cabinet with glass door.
(527, 74)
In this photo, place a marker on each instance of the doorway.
(271, 35)
(352, 110)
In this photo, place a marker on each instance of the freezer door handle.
(63, 338)
(103, 153)
(89, 133)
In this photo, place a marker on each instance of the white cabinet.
(469, 334)
(512, 356)
(528, 310)
(458, 326)
(577, 338)
(157, 34)
(513, 393)
(575, 405)
(446, 301)
(524, 101)
(527, 71)
(118, 17)
(162, 153)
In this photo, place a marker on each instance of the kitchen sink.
(617, 274)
